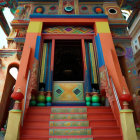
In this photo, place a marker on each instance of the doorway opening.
(68, 65)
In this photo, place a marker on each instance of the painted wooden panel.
(68, 92)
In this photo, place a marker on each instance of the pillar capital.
(102, 27)
(35, 27)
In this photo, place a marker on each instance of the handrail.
(113, 98)
(107, 76)
(113, 87)
(25, 97)
(116, 95)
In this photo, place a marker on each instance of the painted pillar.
(87, 85)
(107, 55)
(51, 67)
(47, 86)
(30, 58)
(127, 123)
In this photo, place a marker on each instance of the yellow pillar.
(12, 132)
(127, 123)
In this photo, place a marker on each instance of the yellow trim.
(90, 3)
(121, 3)
(127, 123)
(12, 132)
(76, 7)
(60, 7)
(35, 27)
(102, 27)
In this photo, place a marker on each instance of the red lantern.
(126, 97)
(17, 95)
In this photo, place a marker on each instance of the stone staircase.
(70, 123)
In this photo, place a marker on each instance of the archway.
(6, 101)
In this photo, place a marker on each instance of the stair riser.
(39, 125)
(45, 133)
(91, 123)
(98, 110)
(36, 132)
(36, 124)
(38, 117)
(89, 110)
(94, 132)
(109, 138)
(102, 116)
(102, 123)
(105, 131)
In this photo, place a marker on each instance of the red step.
(101, 121)
(96, 137)
(93, 123)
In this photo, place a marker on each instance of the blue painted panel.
(99, 51)
(48, 83)
(68, 16)
(38, 40)
(88, 68)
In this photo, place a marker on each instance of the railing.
(115, 104)
(116, 95)
(25, 98)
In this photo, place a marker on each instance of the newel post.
(126, 117)
(14, 118)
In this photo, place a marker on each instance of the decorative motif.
(39, 10)
(89, 9)
(77, 91)
(66, 132)
(67, 92)
(84, 9)
(98, 10)
(68, 110)
(53, 9)
(112, 11)
(68, 123)
(68, 7)
(68, 116)
(59, 91)
(68, 30)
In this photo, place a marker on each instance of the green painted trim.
(138, 129)
(15, 111)
(126, 111)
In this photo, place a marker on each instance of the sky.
(3, 42)
(9, 18)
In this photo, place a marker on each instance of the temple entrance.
(68, 72)
(68, 64)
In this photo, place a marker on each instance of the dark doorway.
(68, 64)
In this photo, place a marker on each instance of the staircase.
(70, 123)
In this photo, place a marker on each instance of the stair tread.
(101, 123)
(70, 120)
(47, 113)
(82, 136)
(75, 127)
(71, 107)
